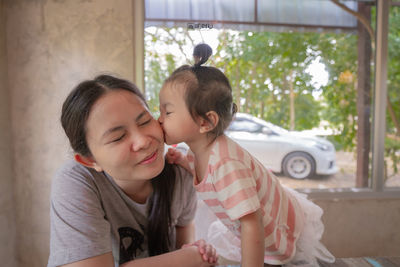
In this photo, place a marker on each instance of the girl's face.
(175, 119)
(125, 140)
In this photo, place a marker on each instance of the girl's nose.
(140, 141)
(160, 119)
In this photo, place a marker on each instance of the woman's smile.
(149, 159)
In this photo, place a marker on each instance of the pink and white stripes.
(237, 184)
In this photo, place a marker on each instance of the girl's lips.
(149, 159)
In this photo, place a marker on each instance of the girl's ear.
(87, 162)
(208, 125)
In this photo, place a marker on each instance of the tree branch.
(178, 43)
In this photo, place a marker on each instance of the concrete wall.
(54, 44)
(362, 227)
(7, 199)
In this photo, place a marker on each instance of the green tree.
(267, 71)
(264, 68)
(159, 65)
(338, 53)
(392, 142)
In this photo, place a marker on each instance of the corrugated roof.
(255, 15)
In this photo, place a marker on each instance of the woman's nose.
(160, 119)
(140, 141)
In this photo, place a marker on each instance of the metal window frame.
(377, 189)
(380, 95)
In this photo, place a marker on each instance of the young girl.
(275, 225)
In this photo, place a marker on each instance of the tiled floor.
(364, 262)
(356, 262)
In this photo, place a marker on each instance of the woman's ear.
(208, 125)
(87, 162)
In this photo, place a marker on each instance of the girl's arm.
(252, 238)
(188, 256)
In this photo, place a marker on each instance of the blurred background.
(312, 68)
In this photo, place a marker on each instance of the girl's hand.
(174, 156)
(207, 251)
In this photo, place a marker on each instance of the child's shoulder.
(225, 149)
(225, 144)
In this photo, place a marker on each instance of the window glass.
(244, 125)
(392, 141)
(303, 85)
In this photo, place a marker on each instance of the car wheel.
(298, 165)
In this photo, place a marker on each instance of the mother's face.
(125, 140)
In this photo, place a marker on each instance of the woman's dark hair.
(159, 212)
(206, 89)
(74, 114)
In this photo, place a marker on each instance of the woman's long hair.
(160, 211)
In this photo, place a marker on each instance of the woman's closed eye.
(117, 139)
(145, 122)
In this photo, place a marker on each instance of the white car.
(296, 154)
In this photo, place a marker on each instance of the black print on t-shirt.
(130, 240)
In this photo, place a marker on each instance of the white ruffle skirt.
(308, 247)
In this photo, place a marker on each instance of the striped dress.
(237, 184)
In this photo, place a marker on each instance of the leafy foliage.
(394, 68)
(339, 54)
(266, 69)
(392, 142)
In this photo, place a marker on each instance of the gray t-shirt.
(90, 215)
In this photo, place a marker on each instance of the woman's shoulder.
(183, 182)
(73, 177)
(72, 170)
(70, 165)
(184, 199)
(182, 176)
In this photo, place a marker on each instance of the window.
(392, 139)
(294, 72)
(244, 126)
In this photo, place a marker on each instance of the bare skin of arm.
(252, 238)
(184, 235)
(188, 256)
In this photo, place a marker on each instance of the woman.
(118, 202)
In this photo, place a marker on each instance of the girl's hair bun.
(201, 53)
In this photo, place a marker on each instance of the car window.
(276, 129)
(245, 126)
